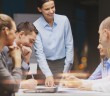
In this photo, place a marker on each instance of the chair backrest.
(25, 17)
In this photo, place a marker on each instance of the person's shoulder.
(5, 49)
(37, 21)
(61, 16)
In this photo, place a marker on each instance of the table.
(64, 92)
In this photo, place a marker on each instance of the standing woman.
(54, 44)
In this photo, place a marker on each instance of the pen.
(32, 76)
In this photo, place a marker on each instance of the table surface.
(63, 92)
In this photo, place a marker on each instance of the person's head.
(104, 32)
(26, 34)
(47, 8)
(102, 50)
(7, 30)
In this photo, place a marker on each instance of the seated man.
(104, 67)
(25, 37)
(9, 82)
(104, 83)
(97, 78)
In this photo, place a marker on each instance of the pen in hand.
(32, 76)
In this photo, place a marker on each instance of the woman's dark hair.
(41, 2)
(5, 21)
(27, 27)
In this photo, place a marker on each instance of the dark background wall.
(84, 16)
(104, 9)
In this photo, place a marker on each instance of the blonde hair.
(105, 24)
(5, 21)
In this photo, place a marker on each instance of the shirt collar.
(108, 61)
(105, 59)
(46, 24)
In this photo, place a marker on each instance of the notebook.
(41, 89)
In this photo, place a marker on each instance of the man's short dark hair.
(27, 27)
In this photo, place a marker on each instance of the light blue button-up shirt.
(103, 70)
(54, 42)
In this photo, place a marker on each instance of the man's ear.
(5, 30)
(39, 9)
(21, 34)
(106, 33)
